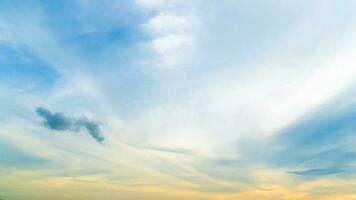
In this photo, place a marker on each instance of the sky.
(177, 99)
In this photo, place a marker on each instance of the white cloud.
(166, 23)
(172, 35)
(153, 3)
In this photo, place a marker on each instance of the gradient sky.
(177, 100)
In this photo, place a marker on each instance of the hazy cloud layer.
(200, 97)
(60, 122)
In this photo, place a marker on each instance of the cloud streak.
(317, 172)
(60, 122)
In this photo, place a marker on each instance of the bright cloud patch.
(172, 35)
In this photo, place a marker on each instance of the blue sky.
(177, 99)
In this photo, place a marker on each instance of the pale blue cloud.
(21, 68)
(15, 158)
(321, 143)
(91, 28)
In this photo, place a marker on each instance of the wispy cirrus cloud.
(13, 157)
(319, 144)
(318, 172)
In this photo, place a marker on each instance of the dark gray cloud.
(92, 128)
(60, 122)
(56, 121)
